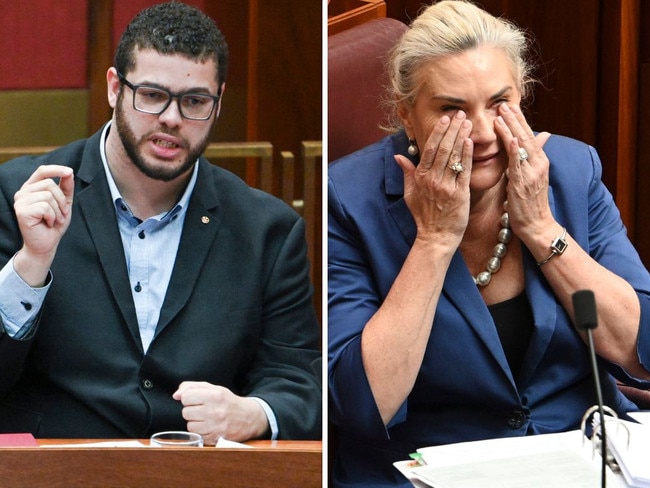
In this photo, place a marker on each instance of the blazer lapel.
(394, 184)
(544, 307)
(459, 288)
(98, 212)
(199, 232)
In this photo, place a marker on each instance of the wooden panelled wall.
(594, 68)
(643, 160)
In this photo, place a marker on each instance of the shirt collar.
(115, 192)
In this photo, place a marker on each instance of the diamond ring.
(457, 167)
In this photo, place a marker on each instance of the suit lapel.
(98, 212)
(544, 306)
(459, 288)
(199, 232)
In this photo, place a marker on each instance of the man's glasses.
(154, 100)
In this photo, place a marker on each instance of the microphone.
(584, 310)
(586, 318)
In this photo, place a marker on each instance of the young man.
(143, 289)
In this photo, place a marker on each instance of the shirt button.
(26, 305)
(516, 419)
(147, 384)
(141, 234)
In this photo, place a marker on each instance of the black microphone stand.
(601, 411)
(584, 308)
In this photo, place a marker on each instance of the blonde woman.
(455, 246)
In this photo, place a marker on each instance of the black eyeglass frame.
(134, 87)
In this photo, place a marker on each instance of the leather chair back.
(356, 84)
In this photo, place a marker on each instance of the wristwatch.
(558, 246)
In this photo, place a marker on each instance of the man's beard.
(162, 173)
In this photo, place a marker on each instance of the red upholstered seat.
(356, 84)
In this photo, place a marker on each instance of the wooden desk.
(283, 464)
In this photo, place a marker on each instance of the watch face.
(559, 245)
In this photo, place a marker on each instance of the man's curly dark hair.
(173, 28)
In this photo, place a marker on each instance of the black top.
(514, 321)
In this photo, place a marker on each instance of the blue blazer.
(465, 389)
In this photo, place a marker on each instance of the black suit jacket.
(238, 313)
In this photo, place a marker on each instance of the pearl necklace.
(499, 252)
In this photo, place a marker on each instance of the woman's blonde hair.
(446, 28)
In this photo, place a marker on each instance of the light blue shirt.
(19, 302)
(150, 248)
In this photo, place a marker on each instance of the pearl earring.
(413, 148)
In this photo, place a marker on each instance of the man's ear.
(113, 86)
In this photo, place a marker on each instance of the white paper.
(642, 417)
(226, 443)
(548, 460)
(630, 445)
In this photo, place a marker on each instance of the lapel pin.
(205, 219)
